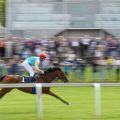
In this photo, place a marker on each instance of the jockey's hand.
(42, 72)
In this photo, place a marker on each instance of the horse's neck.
(50, 76)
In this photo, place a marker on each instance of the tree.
(2, 12)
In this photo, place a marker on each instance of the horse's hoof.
(67, 103)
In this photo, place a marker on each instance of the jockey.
(34, 61)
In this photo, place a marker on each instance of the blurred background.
(81, 36)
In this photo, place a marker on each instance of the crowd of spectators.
(71, 51)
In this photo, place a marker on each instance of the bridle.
(58, 74)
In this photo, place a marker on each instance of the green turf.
(22, 106)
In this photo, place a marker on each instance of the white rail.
(40, 85)
(57, 85)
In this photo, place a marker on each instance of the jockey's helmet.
(43, 55)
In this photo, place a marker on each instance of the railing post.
(97, 99)
(39, 98)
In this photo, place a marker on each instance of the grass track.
(22, 106)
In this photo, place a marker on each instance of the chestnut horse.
(48, 77)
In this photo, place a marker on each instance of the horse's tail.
(1, 78)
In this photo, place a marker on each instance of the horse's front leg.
(54, 95)
(4, 91)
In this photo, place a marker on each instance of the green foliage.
(2, 12)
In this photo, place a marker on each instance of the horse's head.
(60, 75)
(52, 74)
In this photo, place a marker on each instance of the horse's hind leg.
(4, 91)
(54, 95)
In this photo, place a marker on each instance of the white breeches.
(28, 68)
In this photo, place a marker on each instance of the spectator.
(13, 67)
(111, 46)
(26, 53)
(102, 68)
(95, 70)
(99, 51)
(92, 47)
(82, 67)
(116, 63)
(9, 47)
(109, 62)
(2, 67)
(85, 41)
(75, 45)
(2, 48)
(38, 50)
(66, 66)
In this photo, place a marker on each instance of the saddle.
(29, 79)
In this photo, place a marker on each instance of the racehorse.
(48, 77)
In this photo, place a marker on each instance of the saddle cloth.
(30, 79)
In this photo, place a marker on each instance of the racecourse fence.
(97, 91)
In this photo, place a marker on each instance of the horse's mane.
(51, 69)
(1, 77)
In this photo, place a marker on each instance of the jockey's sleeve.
(37, 64)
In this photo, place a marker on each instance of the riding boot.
(31, 79)
(34, 77)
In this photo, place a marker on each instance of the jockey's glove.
(42, 72)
